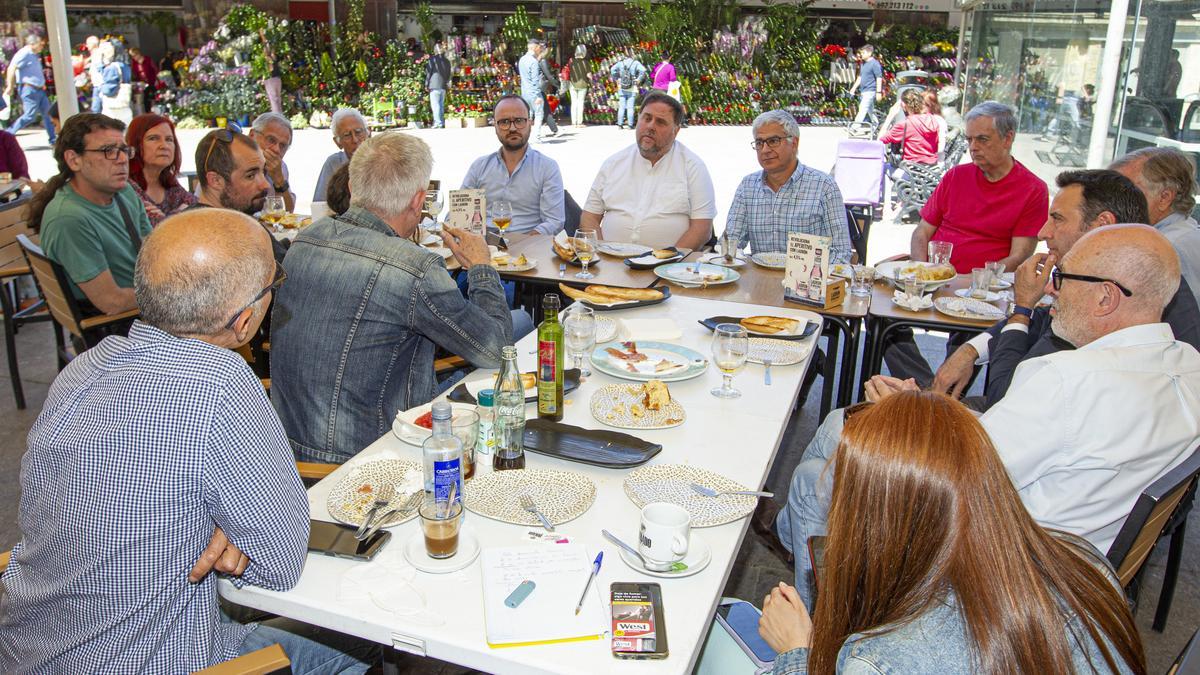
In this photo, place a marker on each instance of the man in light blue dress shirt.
(532, 81)
(25, 76)
(518, 174)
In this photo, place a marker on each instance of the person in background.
(12, 157)
(273, 133)
(550, 85)
(629, 74)
(154, 167)
(349, 131)
(146, 73)
(437, 81)
(786, 196)
(922, 137)
(230, 165)
(273, 84)
(95, 70)
(26, 77)
(948, 98)
(869, 83)
(116, 89)
(664, 74)
(933, 107)
(579, 71)
(530, 71)
(932, 563)
(338, 192)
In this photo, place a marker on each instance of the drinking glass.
(501, 215)
(465, 427)
(939, 252)
(440, 523)
(997, 269)
(730, 346)
(864, 278)
(981, 278)
(585, 250)
(273, 210)
(580, 329)
(914, 288)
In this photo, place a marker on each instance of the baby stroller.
(858, 171)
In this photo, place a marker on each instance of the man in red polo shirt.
(990, 209)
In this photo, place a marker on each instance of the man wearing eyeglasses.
(273, 133)
(349, 130)
(90, 220)
(518, 174)
(786, 196)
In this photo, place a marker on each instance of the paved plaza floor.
(727, 152)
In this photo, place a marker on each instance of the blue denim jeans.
(97, 104)
(437, 103)
(35, 102)
(807, 511)
(866, 105)
(311, 649)
(625, 107)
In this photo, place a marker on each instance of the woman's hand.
(785, 623)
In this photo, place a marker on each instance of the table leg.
(849, 362)
(830, 330)
(873, 354)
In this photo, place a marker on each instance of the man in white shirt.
(273, 133)
(655, 192)
(349, 131)
(1082, 432)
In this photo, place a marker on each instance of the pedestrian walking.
(25, 76)
(550, 85)
(437, 80)
(629, 75)
(868, 84)
(579, 72)
(530, 71)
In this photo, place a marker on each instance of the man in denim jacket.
(354, 333)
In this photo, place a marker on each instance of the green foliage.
(518, 28)
(245, 20)
(423, 14)
(792, 37)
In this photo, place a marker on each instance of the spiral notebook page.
(548, 613)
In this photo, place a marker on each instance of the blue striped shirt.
(535, 190)
(145, 444)
(809, 202)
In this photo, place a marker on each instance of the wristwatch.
(1023, 311)
(284, 187)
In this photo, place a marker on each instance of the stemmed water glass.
(273, 210)
(579, 325)
(730, 347)
(585, 250)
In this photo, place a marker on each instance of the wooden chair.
(1160, 510)
(260, 662)
(64, 309)
(14, 221)
(1188, 661)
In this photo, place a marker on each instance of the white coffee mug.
(663, 539)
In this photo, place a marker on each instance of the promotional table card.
(468, 210)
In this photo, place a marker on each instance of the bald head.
(198, 268)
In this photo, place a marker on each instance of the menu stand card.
(547, 615)
(807, 279)
(468, 211)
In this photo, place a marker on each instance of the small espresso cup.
(664, 535)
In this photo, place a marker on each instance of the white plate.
(1002, 282)
(530, 263)
(841, 270)
(561, 496)
(406, 430)
(354, 494)
(645, 261)
(606, 329)
(698, 556)
(476, 386)
(968, 308)
(687, 363)
(623, 250)
(685, 274)
(718, 259)
(612, 405)
(888, 270)
(468, 551)
(672, 483)
(772, 260)
(781, 352)
(992, 296)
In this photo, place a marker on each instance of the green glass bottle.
(550, 361)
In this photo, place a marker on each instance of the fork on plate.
(381, 500)
(709, 492)
(528, 504)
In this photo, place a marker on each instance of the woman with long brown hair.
(154, 169)
(932, 563)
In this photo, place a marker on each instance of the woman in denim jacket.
(933, 565)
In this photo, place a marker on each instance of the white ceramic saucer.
(468, 550)
(698, 556)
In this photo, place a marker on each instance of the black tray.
(712, 322)
(598, 447)
(570, 383)
(666, 293)
(649, 266)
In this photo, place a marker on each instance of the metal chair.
(14, 221)
(858, 221)
(1188, 661)
(1160, 510)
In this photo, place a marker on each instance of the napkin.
(661, 330)
(914, 304)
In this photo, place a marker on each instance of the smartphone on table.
(338, 540)
(639, 628)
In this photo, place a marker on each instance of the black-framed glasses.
(223, 136)
(512, 122)
(114, 152)
(772, 142)
(1057, 276)
(280, 277)
(358, 133)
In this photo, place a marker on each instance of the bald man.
(1082, 432)
(156, 459)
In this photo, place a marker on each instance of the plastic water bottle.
(486, 439)
(442, 453)
(509, 425)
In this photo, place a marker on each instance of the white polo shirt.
(651, 204)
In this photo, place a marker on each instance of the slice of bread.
(625, 293)
(664, 253)
(655, 395)
(769, 324)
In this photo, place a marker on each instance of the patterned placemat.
(968, 308)
(561, 496)
(353, 496)
(606, 329)
(621, 405)
(672, 483)
(781, 352)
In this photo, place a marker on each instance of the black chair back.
(1150, 514)
(573, 213)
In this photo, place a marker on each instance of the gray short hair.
(1004, 117)
(262, 121)
(387, 170)
(780, 117)
(344, 113)
(1165, 169)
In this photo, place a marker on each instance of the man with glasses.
(273, 133)
(90, 220)
(26, 76)
(349, 130)
(158, 455)
(1086, 200)
(518, 174)
(230, 165)
(786, 196)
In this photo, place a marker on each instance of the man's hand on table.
(220, 555)
(880, 387)
(956, 371)
(469, 249)
(1029, 282)
(785, 623)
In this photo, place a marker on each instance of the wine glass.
(580, 328)
(501, 215)
(273, 210)
(585, 250)
(433, 206)
(730, 346)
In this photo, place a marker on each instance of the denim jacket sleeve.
(475, 329)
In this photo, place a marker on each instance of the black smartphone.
(338, 540)
(639, 629)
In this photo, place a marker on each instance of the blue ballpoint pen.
(595, 571)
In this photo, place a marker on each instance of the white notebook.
(559, 572)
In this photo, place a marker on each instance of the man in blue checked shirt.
(786, 196)
(518, 174)
(157, 459)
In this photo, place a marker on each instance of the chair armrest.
(259, 662)
(4, 560)
(19, 270)
(314, 470)
(105, 319)
(449, 363)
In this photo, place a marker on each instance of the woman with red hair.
(154, 167)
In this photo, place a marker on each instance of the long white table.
(737, 438)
